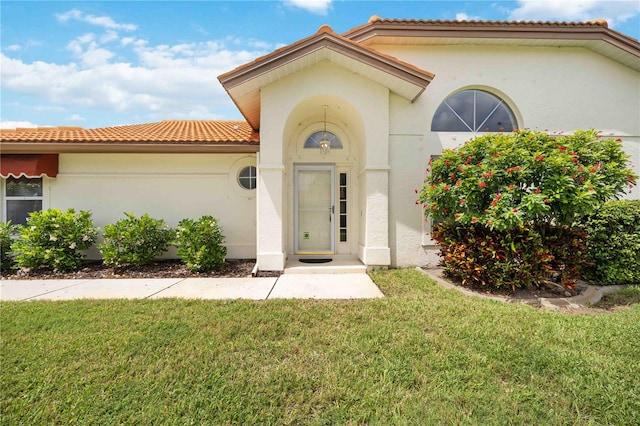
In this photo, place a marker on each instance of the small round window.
(247, 178)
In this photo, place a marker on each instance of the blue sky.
(107, 63)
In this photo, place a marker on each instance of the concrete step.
(340, 264)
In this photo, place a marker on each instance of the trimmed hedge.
(613, 243)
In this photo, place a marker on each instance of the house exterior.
(339, 129)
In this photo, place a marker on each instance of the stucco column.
(375, 180)
(270, 240)
(376, 250)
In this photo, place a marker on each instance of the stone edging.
(591, 295)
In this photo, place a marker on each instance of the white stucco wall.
(359, 108)
(549, 89)
(166, 186)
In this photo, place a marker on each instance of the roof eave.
(133, 147)
(309, 45)
(244, 80)
(367, 33)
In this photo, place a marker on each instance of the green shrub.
(613, 243)
(477, 256)
(199, 243)
(135, 241)
(528, 188)
(7, 231)
(567, 247)
(53, 238)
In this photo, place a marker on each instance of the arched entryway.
(323, 146)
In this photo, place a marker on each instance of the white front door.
(314, 188)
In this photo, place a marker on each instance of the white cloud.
(18, 47)
(89, 51)
(76, 117)
(163, 81)
(109, 36)
(100, 21)
(576, 10)
(96, 57)
(127, 40)
(461, 16)
(315, 6)
(16, 124)
(130, 75)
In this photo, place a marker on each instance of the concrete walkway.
(293, 286)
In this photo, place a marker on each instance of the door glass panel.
(343, 208)
(314, 210)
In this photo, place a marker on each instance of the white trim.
(43, 198)
(234, 172)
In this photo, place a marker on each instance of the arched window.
(473, 111)
(313, 141)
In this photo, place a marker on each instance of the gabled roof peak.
(601, 22)
(324, 28)
(245, 82)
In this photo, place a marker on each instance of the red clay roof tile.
(467, 24)
(234, 132)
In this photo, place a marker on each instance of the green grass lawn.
(422, 355)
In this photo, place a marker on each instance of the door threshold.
(314, 253)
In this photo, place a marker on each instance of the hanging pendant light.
(325, 143)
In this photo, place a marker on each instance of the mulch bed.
(160, 269)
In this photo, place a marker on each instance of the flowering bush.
(135, 241)
(199, 243)
(504, 181)
(53, 238)
(6, 239)
(503, 186)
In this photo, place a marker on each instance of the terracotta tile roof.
(185, 132)
(597, 25)
(472, 22)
